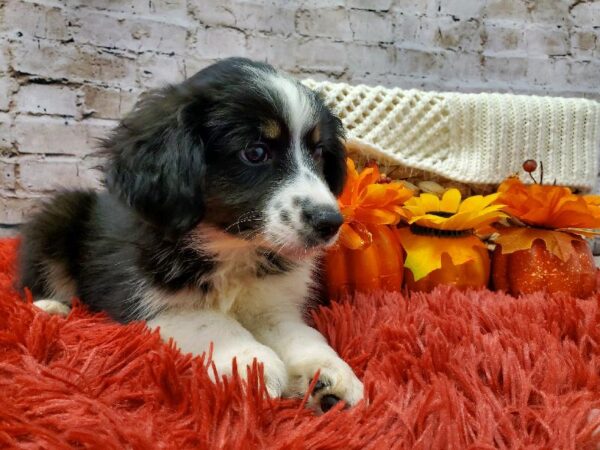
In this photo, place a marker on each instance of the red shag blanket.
(445, 370)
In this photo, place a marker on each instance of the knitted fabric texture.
(471, 138)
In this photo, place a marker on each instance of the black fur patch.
(273, 264)
(285, 217)
(56, 235)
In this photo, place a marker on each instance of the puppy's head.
(238, 146)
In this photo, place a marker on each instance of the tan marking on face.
(316, 134)
(271, 129)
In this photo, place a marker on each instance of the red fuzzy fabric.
(443, 370)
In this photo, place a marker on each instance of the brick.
(460, 66)
(325, 22)
(548, 71)
(322, 55)
(5, 132)
(14, 211)
(218, 42)
(4, 55)
(281, 52)
(506, 9)
(408, 29)
(7, 174)
(371, 26)
(416, 62)
(126, 32)
(55, 173)
(371, 59)
(46, 99)
(7, 86)
(33, 20)
(373, 5)
(252, 15)
(433, 33)
(504, 40)
(107, 103)
(586, 43)
(584, 74)
(463, 9)
(74, 63)
(586, 13)
(171, 11)
(158, 70)
(545, 41)
(549, 11)
(457, 35)
(309, 4)
(59, 136)
(418, 7)
(504, 69)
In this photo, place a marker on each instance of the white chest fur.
(235, 284)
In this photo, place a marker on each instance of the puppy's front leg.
(193, 331)
(304, 352)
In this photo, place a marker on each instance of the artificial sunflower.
(367, 202)
(368, 255)
(441, 242)
(451, 213)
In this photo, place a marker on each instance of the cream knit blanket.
(471, 138)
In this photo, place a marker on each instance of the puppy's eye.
(317, 151)
(256, 154)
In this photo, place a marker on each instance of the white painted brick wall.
(70, 68)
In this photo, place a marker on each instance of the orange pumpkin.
(378, 266)
(538, 269)
(469, 269)
(367, 255)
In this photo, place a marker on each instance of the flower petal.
(521, 238)
(424, 253)
(549, 206)
(430, 202)
(376, 216)
(450, 201)
(354, 237)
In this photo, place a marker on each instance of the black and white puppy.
(221, 195)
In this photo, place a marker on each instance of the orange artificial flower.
(366, 202)
(552, 214)
(552, 207)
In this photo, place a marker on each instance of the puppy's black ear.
(156, 163)
(334, 157)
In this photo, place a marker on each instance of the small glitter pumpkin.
(546, 250)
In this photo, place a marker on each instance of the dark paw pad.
(328, 401)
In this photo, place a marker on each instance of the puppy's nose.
(324, 220)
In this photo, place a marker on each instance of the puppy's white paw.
(275, 373)
(53, 307)
(336, 379)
